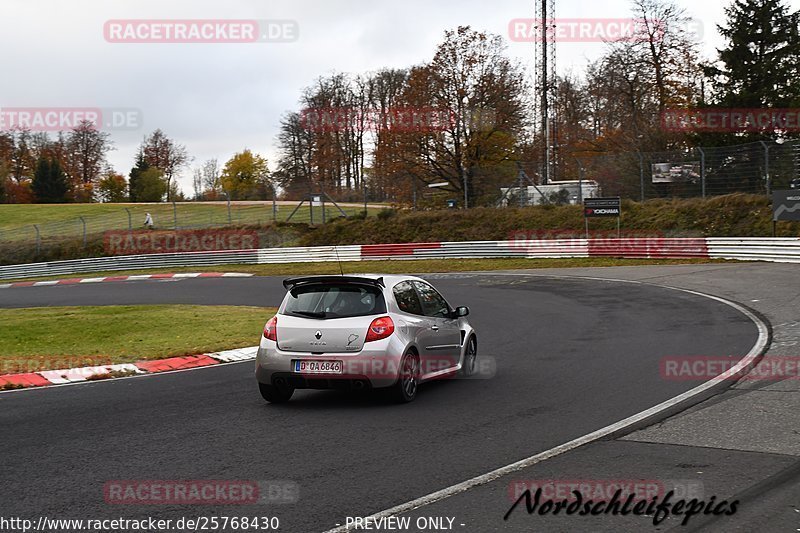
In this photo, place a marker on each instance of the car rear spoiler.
(291, 283)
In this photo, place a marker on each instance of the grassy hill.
(723, 216)
(735, 215)
(62, 220)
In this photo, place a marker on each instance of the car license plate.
(318, 367)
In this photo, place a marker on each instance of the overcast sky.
(220, 98)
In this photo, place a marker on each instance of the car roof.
(389, 280)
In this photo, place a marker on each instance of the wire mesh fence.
(753, 168)
(35, 236)
(171, 216)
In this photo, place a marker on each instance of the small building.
(574, 193)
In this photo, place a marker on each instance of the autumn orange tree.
(456, 120)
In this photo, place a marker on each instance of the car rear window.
(325, 301)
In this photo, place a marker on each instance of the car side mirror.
(462, 311)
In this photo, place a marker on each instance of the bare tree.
(666, 45)
(639, 78)
(481, 94)
(385, 88)
(22, 163)
(295, 145)
(165, 154)
(86, 151)
(205, 179)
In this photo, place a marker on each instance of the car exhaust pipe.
(280, 382)
(359, 385)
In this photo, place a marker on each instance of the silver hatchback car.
(363, 332)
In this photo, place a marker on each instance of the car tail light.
(380, 329)
(271, 329)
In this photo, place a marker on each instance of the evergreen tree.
(133, 178)
(150, 186)
(760, 66)
(49, 183)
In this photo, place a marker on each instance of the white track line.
(763, 336)
(137, 277)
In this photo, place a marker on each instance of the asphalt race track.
(572, 356)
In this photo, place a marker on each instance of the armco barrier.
(784, 249)
(129, 262)
(778, 249)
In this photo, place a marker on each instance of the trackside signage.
(602, 207)
(156, 242)
(786, 205)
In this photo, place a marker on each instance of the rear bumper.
(297, 381)
(376, 367)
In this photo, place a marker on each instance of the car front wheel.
(470, 358)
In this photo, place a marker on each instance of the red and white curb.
(46, 378)
(77, 281)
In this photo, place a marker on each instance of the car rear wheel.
(405, 390)
(470, 357)
(275, 394)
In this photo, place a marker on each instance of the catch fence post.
(38, 239)
(83, 221)
(702, 170)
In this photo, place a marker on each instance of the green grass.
(63, 220)
(421, 266)
(49, 336)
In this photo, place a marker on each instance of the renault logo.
(318, 335)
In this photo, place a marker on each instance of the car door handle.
(435, 328)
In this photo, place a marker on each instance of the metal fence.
(753, 168)
(166, 216)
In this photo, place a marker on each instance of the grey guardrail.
(786, 249)
(129, 262)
